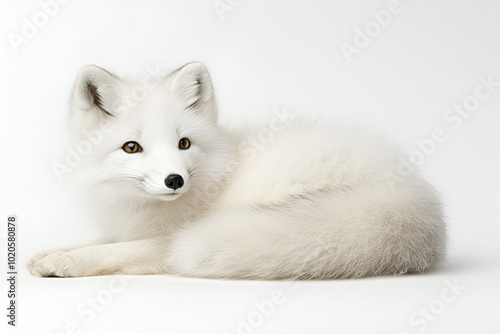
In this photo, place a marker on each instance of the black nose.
(174, 181)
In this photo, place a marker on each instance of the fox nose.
(174, 181)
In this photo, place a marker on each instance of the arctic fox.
(185, 195)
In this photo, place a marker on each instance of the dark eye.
(132, 147)
(184, 144)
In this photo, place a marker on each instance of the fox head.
(159, 142)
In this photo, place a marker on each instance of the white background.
(262, 55)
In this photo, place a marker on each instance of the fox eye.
(132, 147)
(184, 144)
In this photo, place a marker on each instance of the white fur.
(316, 201)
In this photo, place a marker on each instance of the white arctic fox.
(184, 196)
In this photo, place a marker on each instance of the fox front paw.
(57, 264)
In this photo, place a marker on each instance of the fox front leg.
(132, 257)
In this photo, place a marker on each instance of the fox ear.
(192, 84)
(95, 94)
